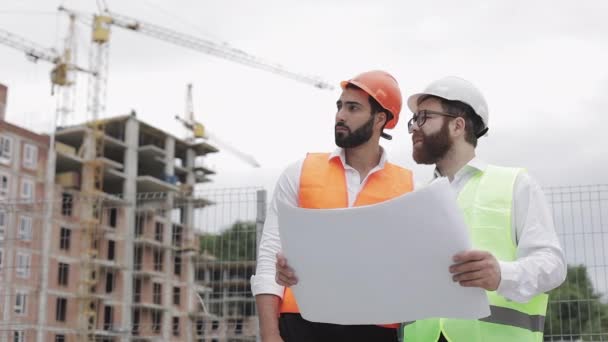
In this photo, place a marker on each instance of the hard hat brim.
(412, 101)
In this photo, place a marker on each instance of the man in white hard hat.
(517, 256)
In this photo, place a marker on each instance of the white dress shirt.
(287, 190)
(540, 265)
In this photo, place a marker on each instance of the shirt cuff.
(266, 285)
(509, 275)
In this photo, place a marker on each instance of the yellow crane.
(199, 131)
(62, 75)
(101, 29)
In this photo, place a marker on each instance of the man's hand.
(476, 269)
(285, 275)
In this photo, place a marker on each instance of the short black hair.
(473, 122)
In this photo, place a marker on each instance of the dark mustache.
(342, 124)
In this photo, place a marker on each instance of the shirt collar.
(340, 153)
(475, 164)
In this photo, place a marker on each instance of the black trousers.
(294, 328)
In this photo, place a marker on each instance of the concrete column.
(168, 255)
(47, 232)
(130, 195)
(3, 98)
(188, 261)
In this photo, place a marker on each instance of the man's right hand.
(285, 275)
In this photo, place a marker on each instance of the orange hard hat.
(383, 88)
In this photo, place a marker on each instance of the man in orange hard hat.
(356, 173)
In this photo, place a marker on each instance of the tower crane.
(101, 24)
(199, 131)
(62, 74)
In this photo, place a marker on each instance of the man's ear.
(459, 124)
(381, 117)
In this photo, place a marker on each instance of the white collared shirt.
(540, 265)
(287, 190)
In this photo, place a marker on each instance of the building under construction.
(104, 244)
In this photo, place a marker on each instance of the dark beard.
(434, 146)
(357, 138)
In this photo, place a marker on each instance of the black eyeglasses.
(420, 118)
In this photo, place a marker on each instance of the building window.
(111, 249)
(175, 326)
(59, 338)
(113, 217)
(137, 290)
(110, 281)
(157, 293)
(23, 264)
(3, 223)
(25, 229)
(176, 238)
(238, 327)
(5, 182)
(215, 325)
(66, 204)
(157, 317)
(19, 336)
(1, 253)
(158, 232)
(200, 327)
(20, 303)
(30, 156)
(139, 224)
(61, 309)
(27, 189)
(158, 260)
(5, 149)
(64, 238)
(63, 274)
(138, 256)
(177, 265)
(136, 319)
(108, 313)
(176, 295)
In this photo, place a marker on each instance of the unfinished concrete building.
(112, 249)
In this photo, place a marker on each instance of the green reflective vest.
(486, 202)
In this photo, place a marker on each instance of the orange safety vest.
(323, 186)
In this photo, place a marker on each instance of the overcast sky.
(541, 66)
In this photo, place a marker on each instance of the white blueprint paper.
(383, 263)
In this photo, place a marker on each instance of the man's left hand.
(476, 269)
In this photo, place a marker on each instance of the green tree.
(575, 311)
(237, 243)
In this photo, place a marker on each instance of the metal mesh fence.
(578, 309)
(189, 260)
(227, 262)
(228, 224)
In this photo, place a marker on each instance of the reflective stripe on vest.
(486, 202)
(323, 186)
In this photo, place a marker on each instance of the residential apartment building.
(23, 158)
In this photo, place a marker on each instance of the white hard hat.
(455, 89)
